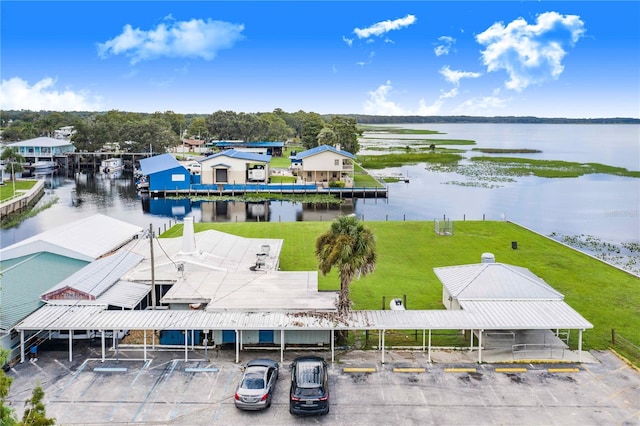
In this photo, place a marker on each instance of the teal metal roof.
(25, 278)
(320, 149)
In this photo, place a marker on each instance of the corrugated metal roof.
(481, 316)
(322, 148)
(85, 239)
(95, 278)
(42, 141)
(534, 314)
(260, 144)
(490, 281)
(243, 155)
(25, 278)
(124, 294)
(159, 163)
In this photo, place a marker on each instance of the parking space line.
(460, 370)
(563, 370)
(359, 370)
(409, 370)
(73, 377)
(110, 369)
(511, 370)
(201, 370)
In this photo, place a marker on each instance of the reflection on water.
(238, 211)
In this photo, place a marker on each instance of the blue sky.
(578, 59)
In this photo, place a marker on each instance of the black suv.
(309, 386)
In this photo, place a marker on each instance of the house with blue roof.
(235, 167)
(324, 164)
(164, 173)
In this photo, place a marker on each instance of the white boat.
(111, 165)
(40, 166)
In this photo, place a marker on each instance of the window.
(336, 162)
(221, 175)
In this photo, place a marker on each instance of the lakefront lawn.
(408, 252)
(20, 185)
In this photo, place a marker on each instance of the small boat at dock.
(111, 165)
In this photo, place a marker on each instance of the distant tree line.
(143, 132)
(140, 132)
(391, 119)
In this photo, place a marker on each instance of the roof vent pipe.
(188, 236)
(488, 258)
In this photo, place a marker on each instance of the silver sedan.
(258, 383)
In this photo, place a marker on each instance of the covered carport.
(477, 316)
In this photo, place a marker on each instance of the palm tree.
(13, 161)
(350, 247)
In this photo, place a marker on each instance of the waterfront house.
(235, 167)
(324, 164)
(273, 149)
(43, 149)
(164, 173)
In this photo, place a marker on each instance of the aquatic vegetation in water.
(625, 255)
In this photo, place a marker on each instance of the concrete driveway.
(406, 390)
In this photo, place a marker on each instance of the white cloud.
(486, 105)
(174, 39)
(349, 41)
(445, 45)
(383, 27)
(16, 93)
(530, 54)
(363, 63)
(454, 76)
(380, 104)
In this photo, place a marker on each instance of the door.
(228, 336)
(265, 336)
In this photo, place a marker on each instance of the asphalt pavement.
(126, 389)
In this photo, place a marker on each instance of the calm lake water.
(603, 206)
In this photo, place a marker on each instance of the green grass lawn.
(6, 190)
(408, 252)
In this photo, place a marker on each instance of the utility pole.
(153, 269)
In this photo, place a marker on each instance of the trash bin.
(514, 245)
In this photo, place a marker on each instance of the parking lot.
(406, 390)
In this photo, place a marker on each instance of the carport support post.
(580, 345)
(21, 346)
(480, 346)
(429, 353)
(471, 346)
(144, 343)
(102, 343)
(237, 348)
(70, 345)
(282, 345)
(186, 345)
(332, 346)
(382, 346)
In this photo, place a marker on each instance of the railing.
(537, 350)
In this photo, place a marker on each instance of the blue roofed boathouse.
(165, 173)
